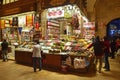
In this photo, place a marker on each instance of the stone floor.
(12, 71)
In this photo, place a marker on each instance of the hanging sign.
(56, 12)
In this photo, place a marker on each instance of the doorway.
(113, 28)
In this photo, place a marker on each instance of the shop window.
(113, 28)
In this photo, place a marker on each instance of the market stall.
(19, 29)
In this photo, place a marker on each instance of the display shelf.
(36, 36)
(53, 29)
(25, 36)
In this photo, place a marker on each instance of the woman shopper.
(37, 59)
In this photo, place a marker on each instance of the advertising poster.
(22, 21)
(89, 30)
(2, 23)
(15, 21)
(29, 20)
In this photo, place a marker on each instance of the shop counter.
(23, 57)
(50, 60)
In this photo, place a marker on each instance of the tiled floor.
(12, 71)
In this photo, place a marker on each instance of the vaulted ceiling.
(90, 5)
(101, 7)
(107, 10)
(104, 4)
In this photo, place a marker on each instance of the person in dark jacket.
(106, 53)
(98, 51)
(113, 48)
(4, 46)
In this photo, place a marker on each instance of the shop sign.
(64, 11)
(56, 12)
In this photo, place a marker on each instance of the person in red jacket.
(106, 53)
(98, 52)
(117, 43)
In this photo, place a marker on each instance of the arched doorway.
(113, 28)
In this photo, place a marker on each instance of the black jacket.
(4, 45)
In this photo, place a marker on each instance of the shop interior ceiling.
(16, 15)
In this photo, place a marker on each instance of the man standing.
(37, 56)
(98, 51)
(4, 46)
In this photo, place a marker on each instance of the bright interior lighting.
(85, 19)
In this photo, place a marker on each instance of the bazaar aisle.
(12, 71)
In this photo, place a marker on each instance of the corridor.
(12, 71)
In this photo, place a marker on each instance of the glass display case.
(25, 46)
